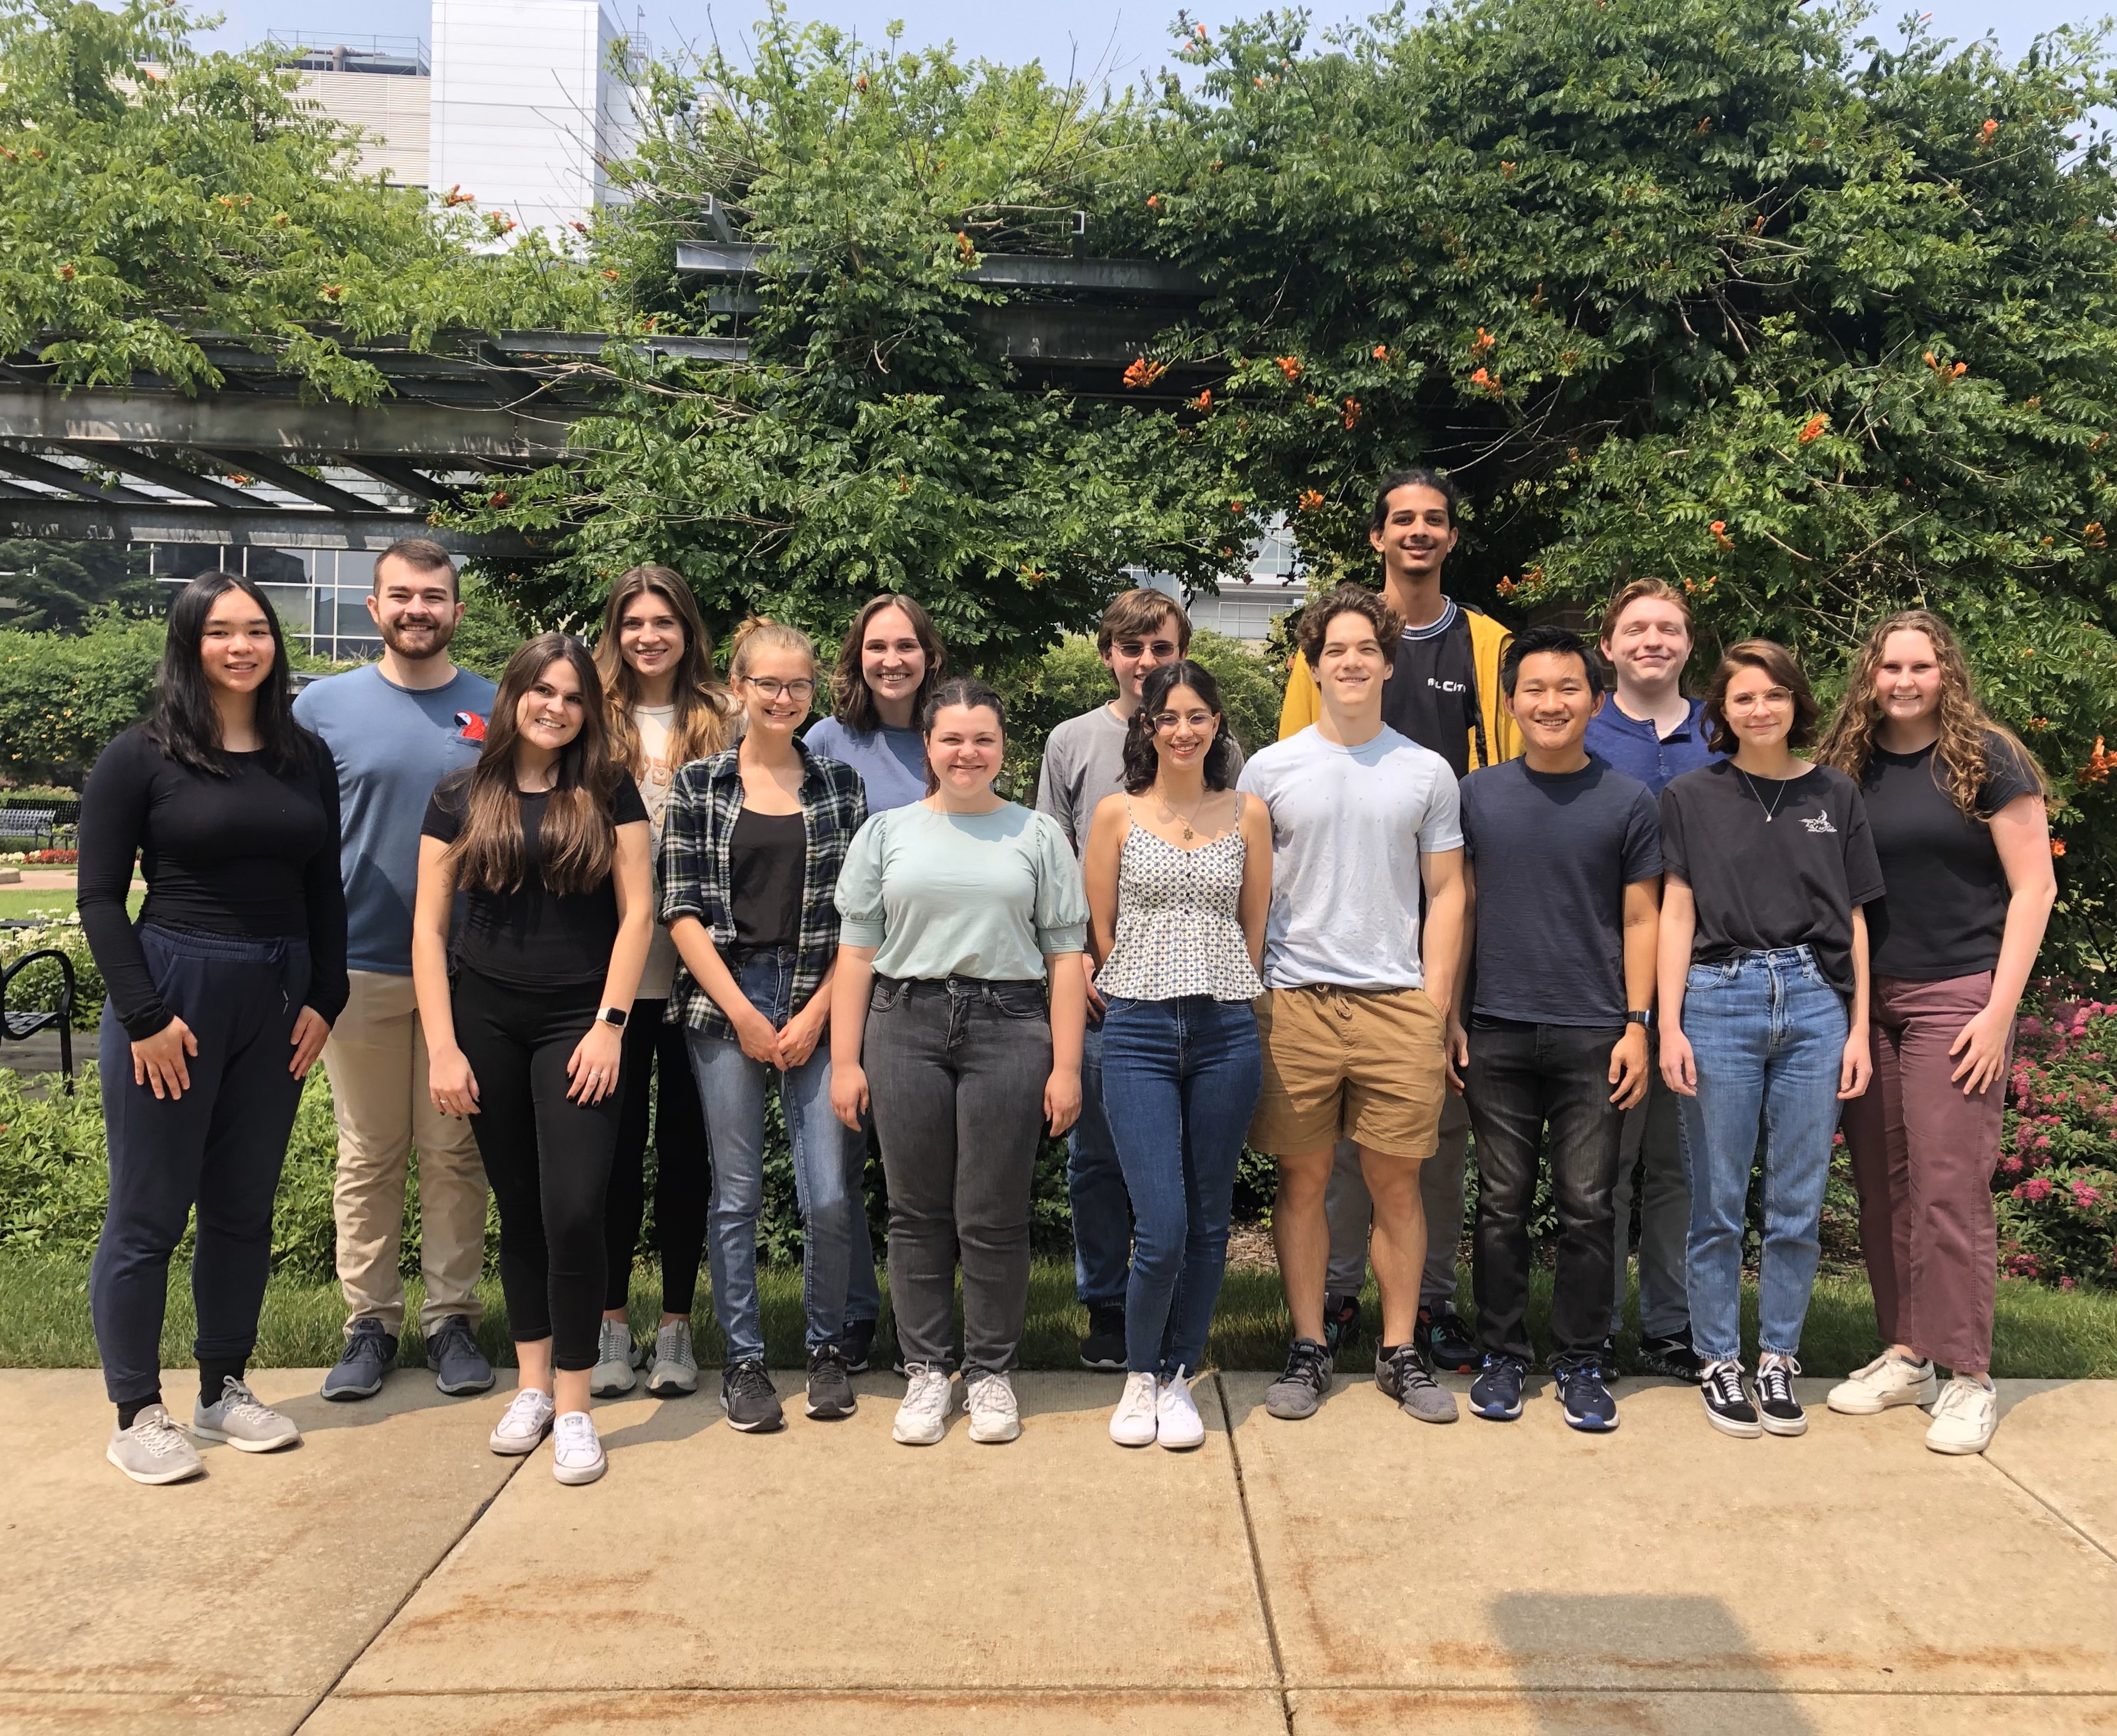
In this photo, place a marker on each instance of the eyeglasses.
(1165, 722)
(1773, 697)
(803, 691)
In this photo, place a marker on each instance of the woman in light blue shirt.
(890, 664)
(958, 911)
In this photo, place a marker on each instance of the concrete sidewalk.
(1358, 1573)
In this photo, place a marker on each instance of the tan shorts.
(1349, 1064)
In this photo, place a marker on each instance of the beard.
(416, 642)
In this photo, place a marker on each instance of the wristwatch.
(1637, 1017)
(612, 1016)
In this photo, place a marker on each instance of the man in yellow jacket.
(1444, 692)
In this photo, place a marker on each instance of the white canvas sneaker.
(1887, 1380)
(1178, 1426)
(577, 1455)
(528, 1416)
(994, 1418)
(923, 1418)
(1964, 1417)
(1133, 1423)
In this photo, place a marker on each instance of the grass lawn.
(44, 1322)
(18, 903)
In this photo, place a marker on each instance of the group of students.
(1466, 890)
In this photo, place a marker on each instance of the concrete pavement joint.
(2092, 1541)
(1257, 1560)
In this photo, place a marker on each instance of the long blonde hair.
(1960, 757)
(705, 711)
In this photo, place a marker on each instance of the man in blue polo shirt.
(1648, 729)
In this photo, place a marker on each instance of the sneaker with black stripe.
(1727, 1406)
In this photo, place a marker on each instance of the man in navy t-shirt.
(396, 728)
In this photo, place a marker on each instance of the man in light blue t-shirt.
(395, 729)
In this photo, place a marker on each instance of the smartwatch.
(1636, 1017)
(612, 1016)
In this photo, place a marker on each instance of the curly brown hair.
(1347, 599)
(1961, 756)
(1778, 662)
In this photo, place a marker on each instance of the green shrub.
(2057, 1178)
(39, 985)
(63, 696)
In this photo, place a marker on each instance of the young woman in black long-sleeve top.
(220, 1000)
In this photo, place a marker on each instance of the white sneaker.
(529, 1417)
(1887, 1380)
(1179, 1426)
(577, 1455)
(923, 1418)
(616, 1359)
(1133, 1423)
(153, 1449)
(1964, 1417)
(994, 1416)
(238, 1419)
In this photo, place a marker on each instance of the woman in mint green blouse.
(957, 913)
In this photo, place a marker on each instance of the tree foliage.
(56, 587)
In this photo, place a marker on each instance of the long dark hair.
(1141, 763)
(705, 711)
(852, 702)
(576, 840)
(183, 722)
(965, 690)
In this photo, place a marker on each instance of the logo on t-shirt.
(1446, 687)
(470, 726)
(1820, 822)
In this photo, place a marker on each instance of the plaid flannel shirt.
(697, 831)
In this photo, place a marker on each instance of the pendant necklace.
(1170, 809)
(1750, 784)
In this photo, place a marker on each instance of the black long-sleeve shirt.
(254, 853)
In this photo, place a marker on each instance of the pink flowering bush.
(2057, 1180)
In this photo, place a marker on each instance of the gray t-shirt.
(392, 745)
(1553, 853)
(1347, 828)
(1083, 762)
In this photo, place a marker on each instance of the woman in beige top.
(667, 708)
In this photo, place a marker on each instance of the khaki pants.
(376, 1061)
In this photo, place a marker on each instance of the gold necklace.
(1168, 810)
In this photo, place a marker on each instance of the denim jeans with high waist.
(1096, 1188)
(1180, 1081)
(731, 1086)
(1768, 1032)
(1521, 1079)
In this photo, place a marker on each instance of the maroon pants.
(1923, 1156)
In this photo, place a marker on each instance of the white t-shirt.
(1347, 828)
(654, 722)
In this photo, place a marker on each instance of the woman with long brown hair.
(889, 667)
(1956, 806)
(666, 708)
(524, 1021)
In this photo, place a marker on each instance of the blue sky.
(1131, 36)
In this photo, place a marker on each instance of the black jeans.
(547, 1156)
(682, 1181)
(1521, 1078)
(956, 1071)
(219, 1147)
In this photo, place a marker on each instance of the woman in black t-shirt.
(219, 1002)
(1767, 864)
(1957, 804)
(548, 836)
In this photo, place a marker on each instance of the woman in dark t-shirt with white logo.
(1768, 863)
(1957, 804)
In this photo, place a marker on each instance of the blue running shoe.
(1496, 1394)
(1586, 1396)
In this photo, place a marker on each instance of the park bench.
(20, 1024)
(33, 826)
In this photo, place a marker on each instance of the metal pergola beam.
(300, 484)
(168, 476)
(734, 261)
(82, 521)
(73, 481)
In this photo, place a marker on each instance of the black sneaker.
(1777, 1408)
(1300, 1389)
(859, 1345)
(748, 1396)
(370, 1353)
(1586, 1396)
(1671, 1358)
(1496, 1394)
(1444, 1341)
(1608, 1355)
(1104, 1345)
(830, 1383)
(1727, 1406)
(1341, 1324)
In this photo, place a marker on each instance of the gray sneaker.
(675, 1369)
(1299, 1391)
(371, 1353)
(459, 1364)
(237, 1418)
(617, 1357)
(153, 1449)
(1403, 1375)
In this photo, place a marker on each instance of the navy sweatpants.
(219, 1147)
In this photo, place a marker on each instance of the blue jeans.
(1096, 1186)
(1180, 1081)
(731, 1086)
(1768, 1032)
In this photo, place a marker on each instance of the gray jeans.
(1352, 1213)
(1650, 1151)
(956, 1071)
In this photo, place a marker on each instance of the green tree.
(54, 586)
(63, 696)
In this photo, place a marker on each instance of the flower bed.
(2057, 1179)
